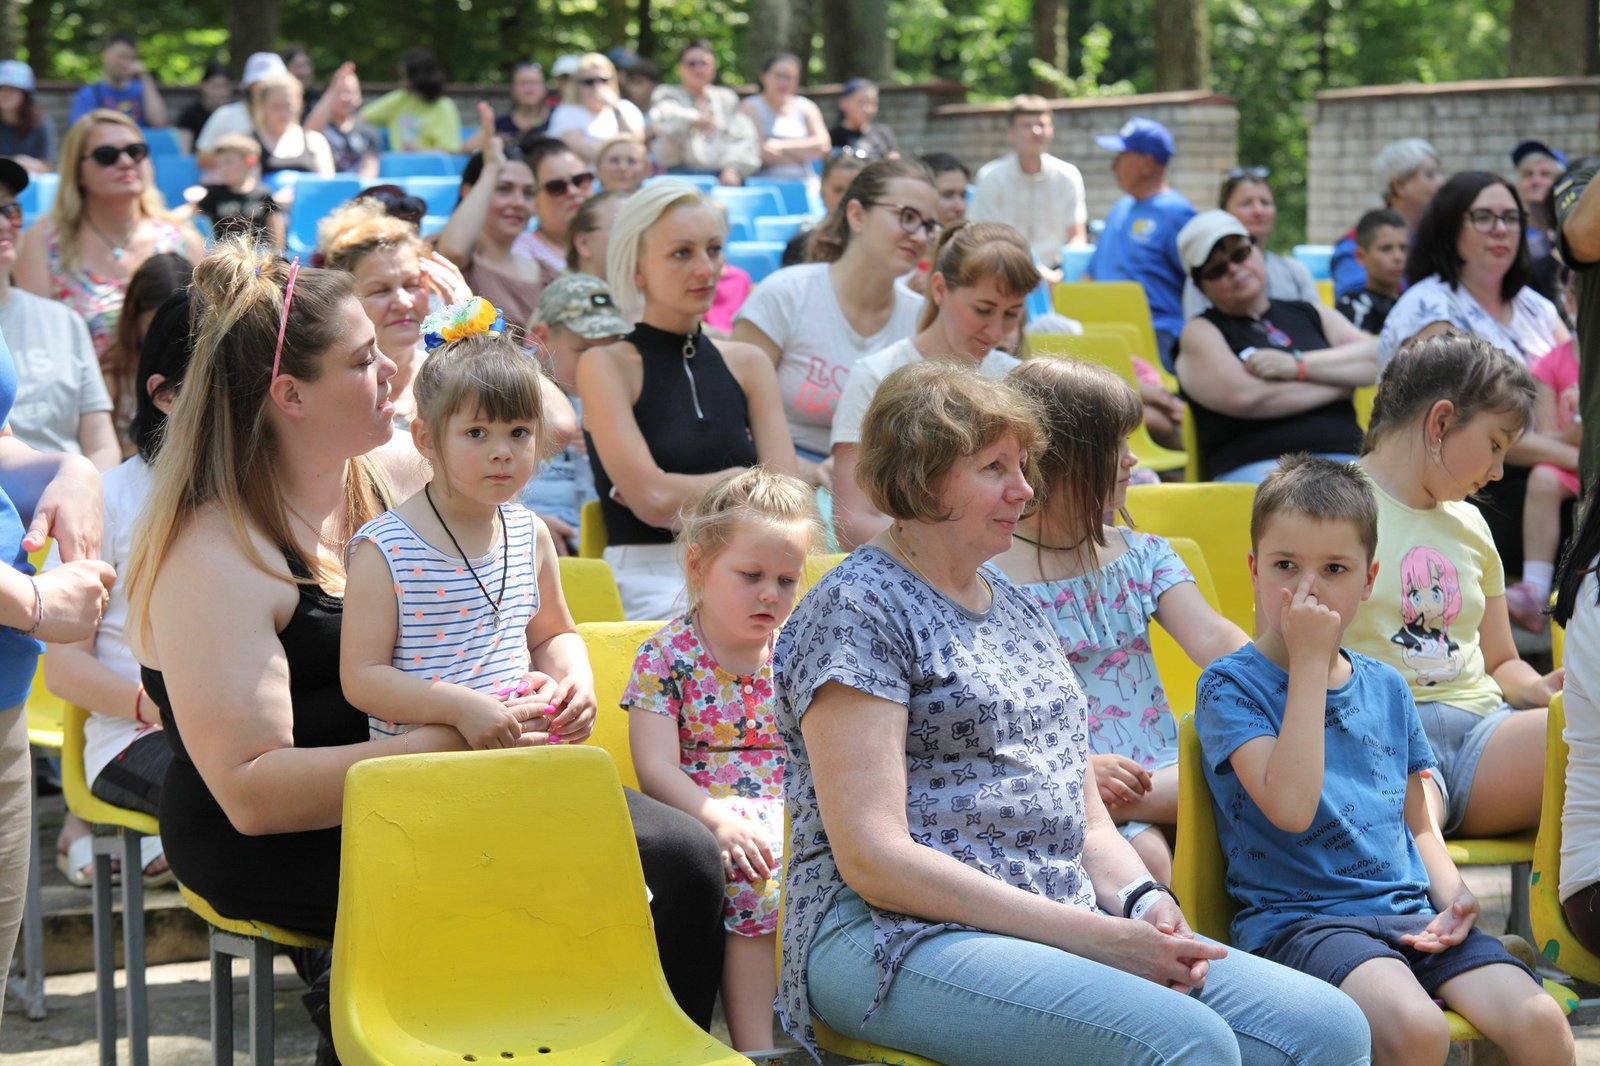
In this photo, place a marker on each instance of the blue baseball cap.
(1527, 148)
(1143, 135)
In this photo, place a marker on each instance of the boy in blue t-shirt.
(1314, 756)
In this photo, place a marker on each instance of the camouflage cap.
(582, 303)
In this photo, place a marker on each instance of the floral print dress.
(728, 745)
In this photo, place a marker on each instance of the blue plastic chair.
(40, 195)
(759, 258)
(174, 174)
(749, 203)
(739, 229)
(1318, 259)
(440, 194)
(314, 197)
(163, 140)
(796, 200)
(393, 165)
(703, 182)
(1038, 302)
(780, 227)
(1075, 260)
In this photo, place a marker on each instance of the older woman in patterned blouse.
(956, 888)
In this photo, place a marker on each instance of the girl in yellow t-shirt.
(1448, 411)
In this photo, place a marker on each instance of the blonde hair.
(264, 88)
(629, 230)
(588, 59)
(69, 206)
(221, 449)
(921, 420)
(490, 375)
(753, 495)
(969, 252)
(355, 230)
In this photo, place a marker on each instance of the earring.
(1434, 449)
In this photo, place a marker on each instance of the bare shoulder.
(611, 364)
(206, 555)
(743, 357)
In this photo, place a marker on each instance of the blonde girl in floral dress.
(700, 702)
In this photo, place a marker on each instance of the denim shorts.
(1330, 948)
(1458, 737)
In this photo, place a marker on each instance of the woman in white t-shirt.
(593, 113)
(817, 319)
(982, 274)
(1577, 608)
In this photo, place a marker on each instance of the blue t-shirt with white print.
(1358, 858)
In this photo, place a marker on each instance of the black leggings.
(1583, 915)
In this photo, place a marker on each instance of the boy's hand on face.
(1310, 629)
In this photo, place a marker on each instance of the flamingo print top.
(1103, 620)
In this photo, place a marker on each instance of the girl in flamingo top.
(700, 702)
(453, 607)
(1100, 585)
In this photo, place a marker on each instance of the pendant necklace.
(494, 603)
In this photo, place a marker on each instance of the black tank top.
(271, 164)
(1227, 443)
(288, 879)
(693, 416)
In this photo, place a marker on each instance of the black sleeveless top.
(306, 161)
(693, 417)
(288, 879)
(1227, 442)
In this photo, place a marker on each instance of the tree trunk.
(1182, 56)
(253, 28)
(1550, 38)
(36, 36)
(769, 31)
(855, 43)
(1049, 41)
(10, 29)
(647, 33)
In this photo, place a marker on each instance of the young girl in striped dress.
(453, 607)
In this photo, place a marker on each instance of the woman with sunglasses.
(1246, 196)
(815, 320)
(593, 112)
(697, 125)
(792, 130)
(107, 220)
(1263, 377)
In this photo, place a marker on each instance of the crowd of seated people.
(963, 720)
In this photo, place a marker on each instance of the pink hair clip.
(283, 323)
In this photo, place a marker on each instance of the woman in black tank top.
(1263, 377)
(667, 412)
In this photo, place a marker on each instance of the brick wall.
(1473, 125)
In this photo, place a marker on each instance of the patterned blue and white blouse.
(1532, 332)
(996, 745)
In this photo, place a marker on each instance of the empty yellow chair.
(612, 648)
(492, 909)
(590, 589)
(1553, 935)
(1111, 353)
(1216, 516)
(591, 531)
(1110, 301)
(1198, 868)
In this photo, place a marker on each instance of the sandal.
(77, 862)
(150, 853)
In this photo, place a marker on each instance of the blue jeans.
(1255, 473)
(971, 997)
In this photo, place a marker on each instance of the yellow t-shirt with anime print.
(1436, 570)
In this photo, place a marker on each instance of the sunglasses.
(1258, 173)
(108, 154)
(559, 186)
(592, 82)
(397, 203)
(1483, 219)
(911, 220)
(1213, 271)
(12, 213)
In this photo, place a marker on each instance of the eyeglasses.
(911, 219)
(397, 203)
(1483, 219)
(108, 154)
(592, 82)
(559, 186)
(12, 213)
(695, 62)
(1213, 271)
(1258, 173)
(848, 152)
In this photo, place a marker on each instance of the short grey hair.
(1398, 160)
(643, 209)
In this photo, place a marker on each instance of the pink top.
(1558, 368)
(732, 290)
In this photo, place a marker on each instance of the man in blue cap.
(1538, 166)
(1140, 240)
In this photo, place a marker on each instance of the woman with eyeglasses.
(815, 320)
(1263, 377)
(697, 125)
(593, 111)
(107, 220)
(1246, 196)
(792, 130)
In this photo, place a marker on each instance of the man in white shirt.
(1032, 190)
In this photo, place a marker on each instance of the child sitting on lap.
(1314, 757)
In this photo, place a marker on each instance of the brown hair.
(754, 494)
(1463, 368)
(1321, 489)
(587, 220)
(1085, 412)
(921, 420)
(151, 285)
(491, 375)
(969, 252)
(832, 236)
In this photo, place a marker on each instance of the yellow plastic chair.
(1198, 868)
(1554, 935)
(1110, 301)
(1558, 644)
(1363, 399)
(1111, 353)
(44, 713)
(1515, 851)
(612, 648)
(1179, 675)
(492, 909)
(1216, 516)
(256, 943)
(590, 589)
(816, 566)
(1325, 291)
(591, 531)
(118, 832)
